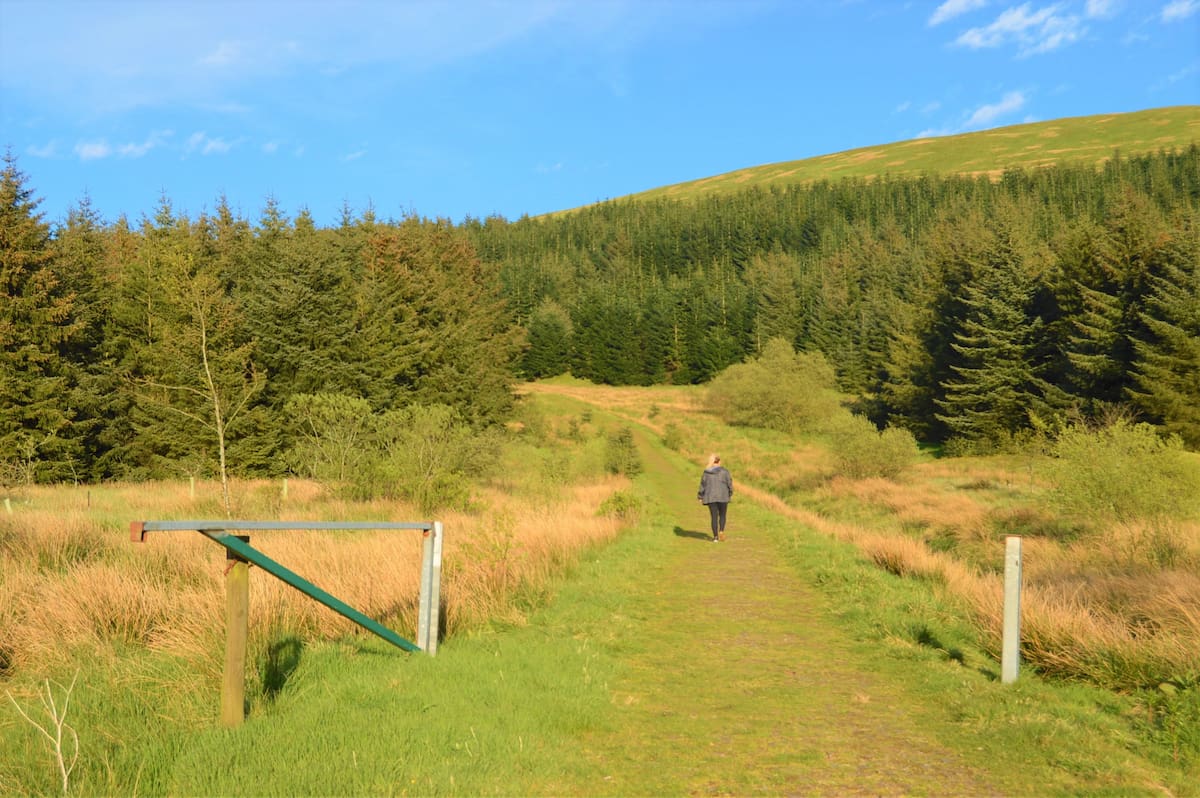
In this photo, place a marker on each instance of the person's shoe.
(716, 539)
(721, 537)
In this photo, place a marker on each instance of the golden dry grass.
(72, 586)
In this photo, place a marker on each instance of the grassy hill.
(1084, 138)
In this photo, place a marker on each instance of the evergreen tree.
(1167, 374)
(997, 389)
(36, 327)
(192, 370)
(549, 342)
(1113, 277)
(79, 250)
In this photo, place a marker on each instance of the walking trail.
(737, 682)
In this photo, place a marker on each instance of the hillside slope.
(1084, 138)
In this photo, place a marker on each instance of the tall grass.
(73, 586)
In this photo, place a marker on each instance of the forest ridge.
(970, 308)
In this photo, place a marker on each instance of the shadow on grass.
(680, 532)
(283, 657)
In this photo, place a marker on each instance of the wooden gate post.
(237, 621)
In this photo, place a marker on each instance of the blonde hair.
(713, 459)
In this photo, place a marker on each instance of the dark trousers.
(717, 511)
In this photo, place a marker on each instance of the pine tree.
(80, 249)
(191, 367)
(549, 342)
(1167, 372)
(997, 389)
(36, 326)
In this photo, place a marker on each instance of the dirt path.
(739, 684)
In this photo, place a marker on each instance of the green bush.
(781, 390)
(672, 437)
(332, 433)
(622, 505)
(427, 454)
(430, 455)
(1124, 472)
(621, 455)
(860, 450)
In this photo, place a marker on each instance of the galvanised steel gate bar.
(239, 550)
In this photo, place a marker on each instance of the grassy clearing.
(143, 624)
(1111, 605)
(867, 664)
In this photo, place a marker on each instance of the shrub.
(429, 454)
(860, 450)
(332, 431)
(621, 455)
(1123, 472)
(672, 437)
(781, 390)
(621, 505)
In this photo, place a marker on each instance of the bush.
(621, 455)
(672, 437)
(780, 390)
(621, 505)
(427, 454)
(1122, 473)
(860, 450)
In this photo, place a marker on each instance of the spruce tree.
(1167, 370)
(37, 442)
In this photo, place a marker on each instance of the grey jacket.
(716, 485)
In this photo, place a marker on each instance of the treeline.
(213, 346)
(965, 309)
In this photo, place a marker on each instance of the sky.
(476, 108)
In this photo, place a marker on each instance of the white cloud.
(904, 106)
(1179, 9)
(157, 138)
(353, 156)
(270, 148)
(1033, 32)
(201, 143)
(93, 150)
(1100, 9)
(954, 8)
(986, 115)
(48, 150)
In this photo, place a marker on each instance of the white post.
(1010, 660)
(191, 487)
(429, 608)
(284, 495)
(8, 505)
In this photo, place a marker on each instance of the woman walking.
(716, 489)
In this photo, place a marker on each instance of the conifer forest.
(970, 310)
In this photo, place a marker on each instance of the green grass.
(780, 662)
(1087, 139)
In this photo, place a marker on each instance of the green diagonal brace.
(253, 555)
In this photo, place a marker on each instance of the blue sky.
(473, 108)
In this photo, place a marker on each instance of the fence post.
(237, 613)
(1010, 659)
(429, 609)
